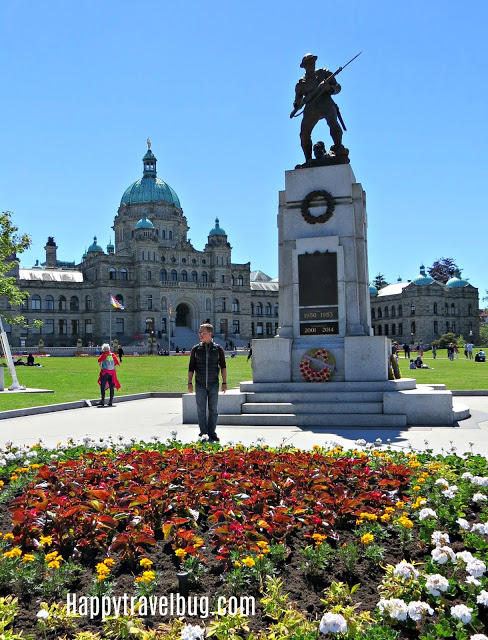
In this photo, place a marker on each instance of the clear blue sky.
(85, 83)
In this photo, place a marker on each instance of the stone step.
(351, 420)
(312, 407)
(327, 387)
(310, 396)
(460, 411)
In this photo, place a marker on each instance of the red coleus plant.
(126, 501)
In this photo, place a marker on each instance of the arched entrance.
(182, 315)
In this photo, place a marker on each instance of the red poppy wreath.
(317, 365)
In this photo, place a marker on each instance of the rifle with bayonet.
(318, 91)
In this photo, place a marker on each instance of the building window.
(112, 274)
(470, 308)
(380, 330)
(163, 275)
(436, 327)
(447, 326)
(49, 303)
(453, 309)
(36, 303)
(380, 313)
(386, 312)
(386, 329)
(88, 327)
(223, 279)
(204, 276)
(63, 327)
(174, 275)
(240, 281)
(223, 304)
(123, 274)
(184, 276)
(259, 309)
(393, 311)
(446, 308)
(412, 309)
(435, 308)
(400, 310)
(393, 329)
(235, 306)
(61, 303)
(235, 326)
(149, 302)
(252, 328)
(163, 234)
(269, 328)
(149, 325)
(119, 325)
(120, 299)
(373, 316)
(232, 280)
(74, 304)
(453, 327)
(88, 303)
(75, 327)
(164, 304)
(252, 308)
(276, 329)
(470, 329)
(149, 275)
(194, 276)
(259, 329)
(268, 309)
(276, 309)
(400, 328)
(36, 330)
(412, 329)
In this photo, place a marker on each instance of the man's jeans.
(210, 395)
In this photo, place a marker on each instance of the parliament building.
(166, 287)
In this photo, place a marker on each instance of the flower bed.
(369, 543)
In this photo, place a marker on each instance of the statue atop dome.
(148, 143)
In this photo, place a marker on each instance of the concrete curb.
(79, 404)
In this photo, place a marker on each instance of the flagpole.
(110, 317)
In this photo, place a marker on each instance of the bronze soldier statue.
(315, 91)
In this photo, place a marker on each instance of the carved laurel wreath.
(329, 201)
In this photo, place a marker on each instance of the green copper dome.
(144, 223)
(373, 291)
(456, 281)
(423, 279)
(94, 247)
(217, 230)
(149, 188)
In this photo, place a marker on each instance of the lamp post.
(152, 342)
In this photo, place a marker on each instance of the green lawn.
(76, 378)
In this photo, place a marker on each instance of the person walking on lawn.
(206, 358)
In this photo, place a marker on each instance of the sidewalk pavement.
(143, 419)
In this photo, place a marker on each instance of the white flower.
(467, 476)
(480, 528)
(442, 481)
(462, 612)
(436, 583)
(480, 481)
(405, 570)
(9, 456)
(439, 538)
(9, 443)
(476, 568)
(3, 462)
(43, 614)
(417, 609)
(479, 636)
(442, 554)
(472, 580)
(464, 524)
(479, 497)
(192, 632)
(482, 598)
(465, 556)
(427, 513)
(450, 492)
(395, 608)
(333, 623)
(361, 442)
(378, 441)
(173, 433)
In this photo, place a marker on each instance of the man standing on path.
(206, 358)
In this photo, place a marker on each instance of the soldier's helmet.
(308, 57)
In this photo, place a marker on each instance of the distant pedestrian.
(120, 352)
(434, 351)
(249, 355)
(470, 350)
(108, 376)
(466, 350)
(450, 351)
(456, 351)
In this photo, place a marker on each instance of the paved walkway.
(143, 419)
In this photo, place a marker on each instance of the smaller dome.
(423, 279)
(144, 223)
(95, 247)
(456, 281)
(373, 291)
(217, 230)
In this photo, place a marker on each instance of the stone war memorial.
(325, 367)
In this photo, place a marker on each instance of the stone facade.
(422, 310)
(155, 273)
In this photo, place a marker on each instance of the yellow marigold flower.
(416, 487)
(316, 447)
(421, 480)
(367, 538)
(249, 562)
(102, 568)
(146, 563)
(55, 564)
(318, 537)
(389, 509)
(8, 536)
(180, 553)
(368, 516)
(414, 464)
(109, 562)
(13, 553)
(405, 522)
(358, 522)
(35, 466)
(46, 540)
(237, 564)
(102, 576)
(28, 557)
(262, 544)
(363, 455)
(13, 477)
(147, 576)
(385, 517)
(424, 474)
(1, 483)
(400, 504)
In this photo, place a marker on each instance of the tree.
(443, 269)
(11, 245)
(379, 281)
(446, 339)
